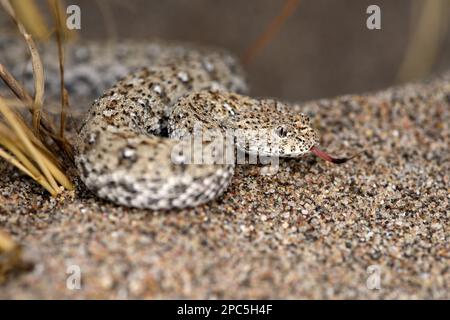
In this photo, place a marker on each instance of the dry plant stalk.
(269, 33)
(54, 4)
(39, 85)
(29, 153)
(26, 100)
(39, 80)
(38, 70)
(25, 147)
(28, 12)
(31, 150)
(10, 257)
(108, 19)
(425, 40)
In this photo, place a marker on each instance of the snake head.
(280, 136)
(294, 136)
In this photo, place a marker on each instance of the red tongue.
(325, 156)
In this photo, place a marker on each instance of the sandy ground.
(313, 230)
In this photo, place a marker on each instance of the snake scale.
(162, 98)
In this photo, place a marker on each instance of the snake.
(170, 122)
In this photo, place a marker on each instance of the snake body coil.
(125, 145)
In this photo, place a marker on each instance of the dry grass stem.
(425, 40)
(39, 81)
(28, 12)
(11, 259)
(269, 33)
(38, 70)
(10, 142)
(24, 146)
(46, 124)
(23, 138)
(59, 40)
(39, 179)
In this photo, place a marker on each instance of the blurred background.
(321, 49)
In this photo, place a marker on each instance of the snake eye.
(281, 131)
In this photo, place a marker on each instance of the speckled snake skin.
(173, 94)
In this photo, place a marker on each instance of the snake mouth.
(325, 156)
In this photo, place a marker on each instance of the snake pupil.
(281, 132)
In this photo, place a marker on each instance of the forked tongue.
(325, 156)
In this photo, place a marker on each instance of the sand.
(312, 230)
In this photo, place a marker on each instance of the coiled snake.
(146, 142)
